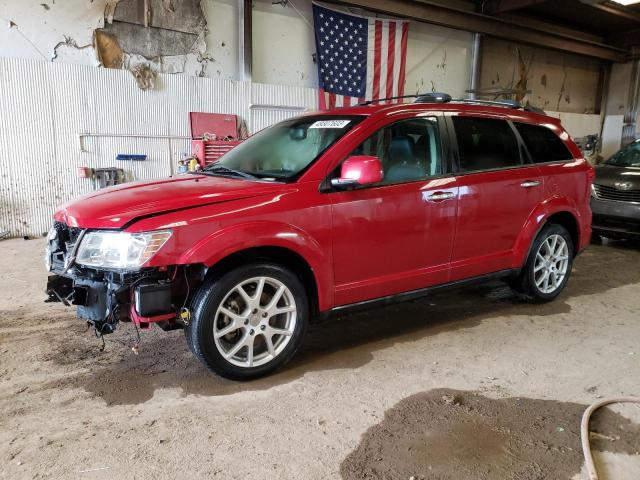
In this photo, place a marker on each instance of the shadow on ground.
(447, 434)
(119, 377)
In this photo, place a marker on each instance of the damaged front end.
(102, 273)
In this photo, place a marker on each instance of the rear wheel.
(249, 322)
(548, 267)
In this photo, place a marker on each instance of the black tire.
(524, 284)
(200, 331)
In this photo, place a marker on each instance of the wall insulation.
(45, 106)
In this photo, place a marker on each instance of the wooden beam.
(502, 6)
(425, 11)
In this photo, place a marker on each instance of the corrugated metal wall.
(45, 106)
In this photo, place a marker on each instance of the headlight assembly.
(105, 249)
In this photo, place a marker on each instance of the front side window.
(629, 156)
(408, 150)
(485, 144)
(284, 150)
(543, 144)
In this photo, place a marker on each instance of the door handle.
(440, 196)
(530, 183)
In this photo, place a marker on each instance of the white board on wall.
(579, 124)
(611, 134)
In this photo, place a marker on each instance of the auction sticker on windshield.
(330, 124)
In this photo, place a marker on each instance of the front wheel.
(249, 322)
(548, 267)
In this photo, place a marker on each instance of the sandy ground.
(520, 375)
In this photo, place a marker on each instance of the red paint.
(144, 322)
(364, 243)
(362, 168)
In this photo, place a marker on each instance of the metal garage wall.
(44, 106)
(274, 103)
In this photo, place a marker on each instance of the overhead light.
(626, 2)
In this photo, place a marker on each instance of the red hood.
(116, 206)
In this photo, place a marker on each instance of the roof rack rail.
(504, 103)
(436, 97)
(419, 97)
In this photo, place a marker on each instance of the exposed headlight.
(120, 249)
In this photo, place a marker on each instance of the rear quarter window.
(485, 144)
(543, 144)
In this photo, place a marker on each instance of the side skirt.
(415, 294)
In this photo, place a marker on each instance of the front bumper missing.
(104, 303)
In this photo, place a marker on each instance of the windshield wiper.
(222, 170)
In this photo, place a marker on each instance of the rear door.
(498, 190)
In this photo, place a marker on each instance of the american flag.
(359, 58)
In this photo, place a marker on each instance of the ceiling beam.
(424, 11)
(617, 10)
(502, 6)
(626, 39)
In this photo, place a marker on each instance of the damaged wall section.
(168, 36)
(545, 78)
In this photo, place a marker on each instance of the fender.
(235, 238)
(536, 221)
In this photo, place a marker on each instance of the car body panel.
(391, 238)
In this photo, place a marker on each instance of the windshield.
(285, 149)
(628, 156)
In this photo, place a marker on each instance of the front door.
(498, 190)
(396, 236)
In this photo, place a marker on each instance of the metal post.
(631, 109)
(474, 74)
(244, 39)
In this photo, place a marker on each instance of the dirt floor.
(471, 384)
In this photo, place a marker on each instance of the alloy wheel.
(255, 322)
(551, 264)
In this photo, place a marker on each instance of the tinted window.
(485, 144)
(543, 144)
(629, 156)
(409, 149)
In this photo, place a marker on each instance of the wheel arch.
(562, 215)
(278, 241)
(279, 255)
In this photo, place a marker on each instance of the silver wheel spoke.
(232, 315)
(232, 327)
(259, 288)
(276, 298)
(250, 350)
(279, 331)
(269, 343)
(243, 293)
(287, 309)
(236, 348)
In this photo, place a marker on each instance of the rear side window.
(543, 144)
(485, 144)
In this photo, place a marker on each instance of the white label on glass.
(330, 124)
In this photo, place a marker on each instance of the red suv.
(325, 213)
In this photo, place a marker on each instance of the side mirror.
(359, 170)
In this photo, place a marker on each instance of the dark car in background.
(615, 196)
